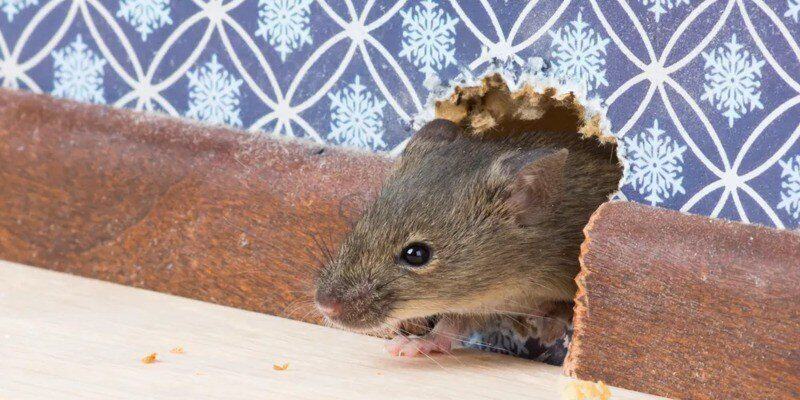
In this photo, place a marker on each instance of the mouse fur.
(503, 217)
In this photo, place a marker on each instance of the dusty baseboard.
(169, 205)
(687, 307)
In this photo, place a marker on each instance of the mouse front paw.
(411, 347)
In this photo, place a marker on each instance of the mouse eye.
(416, 254)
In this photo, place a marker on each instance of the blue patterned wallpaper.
(705, 95)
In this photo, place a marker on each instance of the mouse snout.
(348, 308)
(329, 305)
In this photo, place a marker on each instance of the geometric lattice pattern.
(705, 95)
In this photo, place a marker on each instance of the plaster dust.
(506, 102)
(485, 108)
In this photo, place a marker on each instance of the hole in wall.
(495, 107)
(490, 109)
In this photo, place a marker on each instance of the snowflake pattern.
(732, 80)
(660, 7)
(284, 24)
(790, 193)
(13, 7)
(578, 53)
(145, 15)
(214, 94)
(78, 73)
(793, 10)
(655, 164)
(465, 40)
(428, 37)
(356, 117)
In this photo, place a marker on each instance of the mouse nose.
(328, 305)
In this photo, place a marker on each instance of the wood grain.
(687, 307)
(168, 205)
(57, 341)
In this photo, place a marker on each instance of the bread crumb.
(150, 358)
(585, 390)
(283, 367)
(177, 350)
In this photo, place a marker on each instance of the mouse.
(467, 229)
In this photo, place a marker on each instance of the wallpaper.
(704, 95)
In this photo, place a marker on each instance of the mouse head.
(459, 222)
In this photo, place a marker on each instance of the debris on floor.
(150, 358)
(282, 367)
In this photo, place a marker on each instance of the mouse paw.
(410, 347)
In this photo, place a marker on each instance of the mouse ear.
(536, 183)
(433, 133)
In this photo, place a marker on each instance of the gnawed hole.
(490, 109)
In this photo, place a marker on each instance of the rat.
(467, 229)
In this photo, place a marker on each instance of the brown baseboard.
(687, 307)
(169, 205)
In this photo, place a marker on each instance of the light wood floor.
(66, 337)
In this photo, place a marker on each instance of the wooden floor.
(66, 337)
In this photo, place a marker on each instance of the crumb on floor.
(177, 350)
(150, 358)
(282, 367)
(586, 390)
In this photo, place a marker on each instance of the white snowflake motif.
(78, 73)
(793, 10)
(732, 80)
(356, 117)
(790, 193)
(428, 37)
(660, 7)
(655, 164)
(578, 53)
(145, 15)
(214, 94)
(284, 24)
(13, 7)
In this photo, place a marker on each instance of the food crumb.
(150, 358)
(177, 350)
(283, 367)
(585, 390)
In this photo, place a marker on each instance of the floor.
(65, 337)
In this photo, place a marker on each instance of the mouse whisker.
(297, 305)
(309, 313)
(322, 246)
(521, 314)
(384, 284)
(447, 352)
(459, 338)
(397, 331)
(319, 262)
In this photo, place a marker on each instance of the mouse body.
(467, 229)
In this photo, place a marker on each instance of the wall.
(704, 95)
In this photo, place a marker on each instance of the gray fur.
(453, 191)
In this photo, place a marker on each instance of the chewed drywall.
(531, 99)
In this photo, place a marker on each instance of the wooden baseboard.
(169, 205)
(687, 307)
